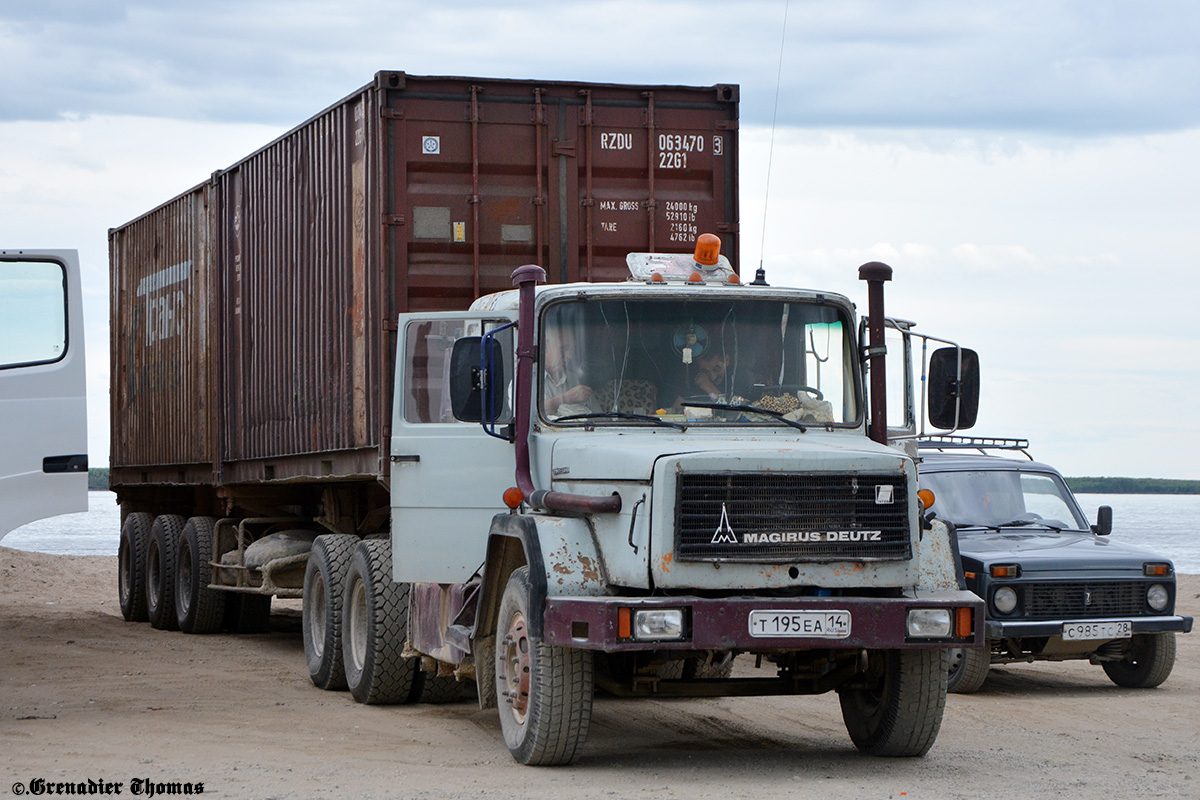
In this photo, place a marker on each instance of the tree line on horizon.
(98, 479)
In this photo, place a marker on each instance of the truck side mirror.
(951, 393)
(1103, 526)
(476, 384)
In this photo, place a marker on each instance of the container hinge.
(391, 113)
(391, 325)
(726, 125)
(563, 147)
(728, 227)
(393, 219)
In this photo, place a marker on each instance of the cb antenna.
(760, 275)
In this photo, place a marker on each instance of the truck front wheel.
(324, 576)
(374, 629)
(545, 693)
(160, 571)
(899, 710)
(1149, 661)
(131, 565)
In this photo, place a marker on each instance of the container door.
(447, 477)
(43, 407)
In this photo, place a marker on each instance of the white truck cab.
(43, 405)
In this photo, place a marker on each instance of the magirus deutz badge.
(724, 534)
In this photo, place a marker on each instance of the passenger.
(563, 389)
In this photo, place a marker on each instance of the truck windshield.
(1003, 499)
(609, 361)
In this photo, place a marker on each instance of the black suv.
(1056, 587)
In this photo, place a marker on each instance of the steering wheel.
(792, 388)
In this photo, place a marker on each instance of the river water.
(1165, 523)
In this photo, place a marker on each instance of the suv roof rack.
(980, 443)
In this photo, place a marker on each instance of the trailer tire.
(899, 711)
(131, 566)
(1149, 662)
(324, 577)
(441, 689)
(160, 571)
(545, 692)
(198, 607)
(375, 628)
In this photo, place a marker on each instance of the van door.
(447, 477)
(43, 405)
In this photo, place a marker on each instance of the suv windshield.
(618, 359)
(1002, 499)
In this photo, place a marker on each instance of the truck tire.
(160, 571)
(324, 577)
(374, 629)
(198, 607)
(545, 693)
(131, 566)
(1150, 660)
(900, 710)
(442, 689)
(703, 669)
(968, 669)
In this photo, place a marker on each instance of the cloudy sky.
(1028, 169)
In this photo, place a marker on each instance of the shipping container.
(254, 316)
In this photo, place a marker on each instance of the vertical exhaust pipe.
(875, 273)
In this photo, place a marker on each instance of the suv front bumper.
(1017, 629)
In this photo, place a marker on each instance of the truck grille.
(1076, 600)
(779, 517)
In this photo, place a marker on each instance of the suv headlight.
(1158, 597)
(1005, 600)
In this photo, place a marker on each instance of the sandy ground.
(87, 696)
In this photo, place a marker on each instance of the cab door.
(43, 406)
(447, 477)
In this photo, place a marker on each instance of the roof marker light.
(708, 249)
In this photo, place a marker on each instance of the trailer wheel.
(1149, 661)
(545, 692)
(374, 629)
(968, 669)
(160, 571)
(442, 689)
(198, 607)
(324, 576)
(131, 566)
(899, 711)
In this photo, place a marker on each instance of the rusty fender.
(562, 556)
(939, 564)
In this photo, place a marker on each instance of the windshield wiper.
(621, 415)
(748, 409)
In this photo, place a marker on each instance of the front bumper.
(1000, 629)
(723, 623)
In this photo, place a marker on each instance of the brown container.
(253, 317)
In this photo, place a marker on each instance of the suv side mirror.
(1103, 526)
(953, 396)
(476, 385)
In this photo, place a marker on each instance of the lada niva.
(1056, 586)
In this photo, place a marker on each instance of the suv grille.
(1074, 600)
(779, 517)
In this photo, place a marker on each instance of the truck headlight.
(929, 623)
(1005, 599)
(1158, 597)
(658, 624)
